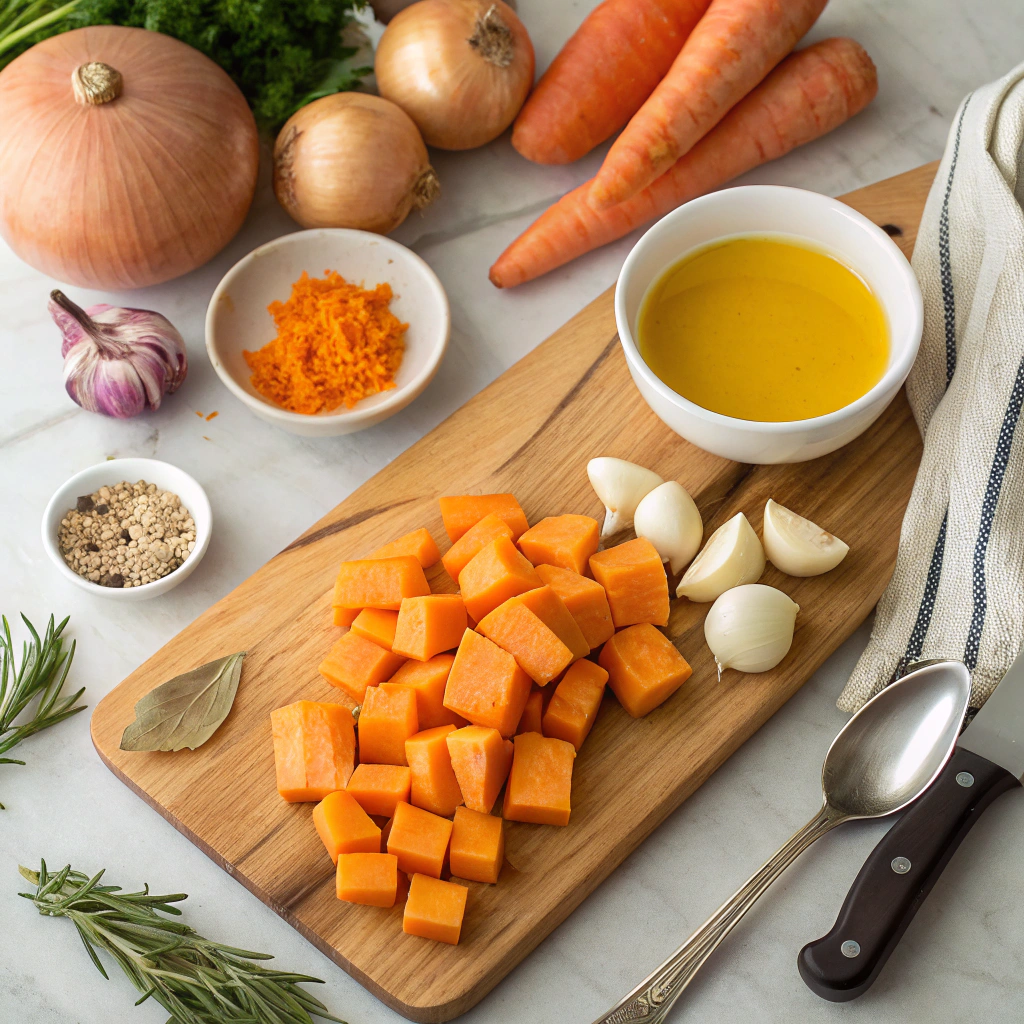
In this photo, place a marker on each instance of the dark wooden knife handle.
(897, 877)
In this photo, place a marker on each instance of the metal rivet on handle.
(850, 948)
(900, 865)
(965, 779)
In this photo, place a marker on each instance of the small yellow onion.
(460, 68)
(351, 160)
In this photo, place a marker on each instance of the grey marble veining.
(962, 958)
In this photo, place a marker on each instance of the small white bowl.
(773, 210)
(237, 318)
(167, 478)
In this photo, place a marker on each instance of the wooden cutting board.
(530, 432)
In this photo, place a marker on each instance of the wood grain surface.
(530, 432)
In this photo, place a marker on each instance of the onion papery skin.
(458, 97)
(130, 192)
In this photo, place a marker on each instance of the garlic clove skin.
(750, 627)
(620, 485)
(797, 546)
(732, 557)
(669, 519)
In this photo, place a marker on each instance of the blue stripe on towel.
(988, 511)
(945, 265)
(931, 588)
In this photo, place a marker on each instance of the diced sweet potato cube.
(540, 783)
(344, 826)
(551, 610)
(378, 625)
(533, 713)
(585, 599)
(644, 668)
(344, 616)
(496, 573)
(380, 788)
(463, 511)
(474, 540)
(379, 582)
(419, 839)
(434, 786)
(478, 845)
(428, 679)
(370, 879)
(567, 541)
(434, 909)
(354, 663)
(387, 719)
(481, 760)
(429, 625)
(485, 685)
(573, 707)
(633, 577)
(314, 749)
(514, 628)
(418, 544)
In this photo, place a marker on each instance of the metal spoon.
(885, 757)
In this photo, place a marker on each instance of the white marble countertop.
(963, 957)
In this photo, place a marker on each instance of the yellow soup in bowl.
(761, 328)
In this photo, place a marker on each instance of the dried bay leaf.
(186, 710)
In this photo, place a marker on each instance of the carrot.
(735, 45)
(602, 76)
(809, 94)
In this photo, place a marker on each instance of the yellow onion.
(461, 69)
(351, 160)
(126, 157)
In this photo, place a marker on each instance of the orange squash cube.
(354, 663)
(633, 577)
(419, 839)
(380, 788)
(533, 713)
(478, 845)
(585, 599)
(540, 783)
(496, 573)
(386, 720)
(567, 541)
(419, 545)
(344, 616)
(434, 909)
(537, 650)
(481, 760)
(434, 786)
(429, 625)
(644, 668)
(344, 826)
(314, 749)
(428, 679)
(370, 879)
(485, 685)
(379, 582)
(376, 624)
(551, 610)
(463, 511)
(474, 540)
(574, 705)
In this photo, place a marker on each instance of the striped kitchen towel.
(958, 587)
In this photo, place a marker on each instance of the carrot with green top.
(809, 94)
(736, 44)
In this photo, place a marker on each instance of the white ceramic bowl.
(237, 318)
(771, 209)
(167, 478)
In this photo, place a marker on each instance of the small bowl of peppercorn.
(129, 529)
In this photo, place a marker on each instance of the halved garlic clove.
(620, 485)
(796, 545)
(750, 628)
(669, 519)
(732, 556)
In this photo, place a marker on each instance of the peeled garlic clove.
(620, 485)
(750, 628)
(669, 519)
(732, 556)
(796, 545)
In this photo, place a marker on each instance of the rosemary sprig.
(197, 981)
(43, 670)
